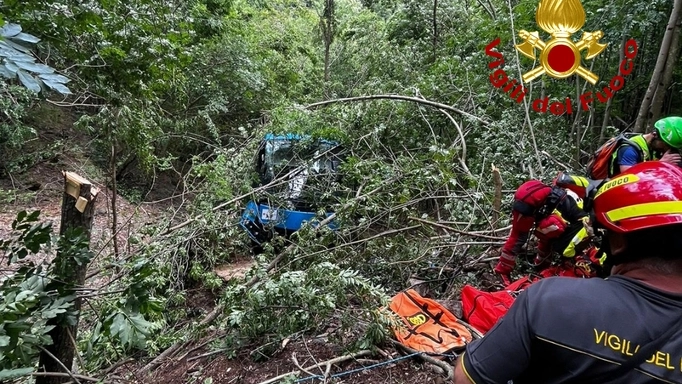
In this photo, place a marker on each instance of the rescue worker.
(666, 139)
(622, 329)
(553, 211)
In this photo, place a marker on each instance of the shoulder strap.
(634, 141)
(623, 139)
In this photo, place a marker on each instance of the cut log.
(77, 213)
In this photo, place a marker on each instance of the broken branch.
(328, 362)
(398, 97)
(471, 234)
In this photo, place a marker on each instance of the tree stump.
(77, 213)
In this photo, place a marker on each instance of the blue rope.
(368, 367)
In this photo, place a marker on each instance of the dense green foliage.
(190, 87)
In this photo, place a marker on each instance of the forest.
(441, 110)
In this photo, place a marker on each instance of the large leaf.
(29, 81)
(54, 78)
(4, 72)
(11, 67)
(16, 46)
(59, 87)
(9, 30)
(34, 67)
(26, 37)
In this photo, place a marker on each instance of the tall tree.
(645, 109)
(327, 24)
(666, 80)
(435, 29)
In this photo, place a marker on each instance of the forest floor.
(40, 187)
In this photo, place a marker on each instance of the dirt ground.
(218, 368)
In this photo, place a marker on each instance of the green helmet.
(670, 131)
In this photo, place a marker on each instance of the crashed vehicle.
(299, 175)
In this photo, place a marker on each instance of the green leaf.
(61, 88)
(4, 341)
(11, 67)
(55, 78)
(9, 30)
(34, 67)
(29, 81)
(33, 216)
(141, 325)
(6, 73)
(26, 37)
(18, 47)
(7, 374)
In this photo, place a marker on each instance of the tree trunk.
(114, 193)
(327, 24)
(435, 30)
(78, 206)
(662, 88)
(645, 108)
(607, 108)
(497, 198)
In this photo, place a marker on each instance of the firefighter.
(623, 329)
(555, 213)
(666, 138)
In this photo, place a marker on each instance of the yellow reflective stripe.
(569, 251)
(602, 259)
(580, 181)
(465, 369)
(657, 208)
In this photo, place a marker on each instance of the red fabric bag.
(482, 309)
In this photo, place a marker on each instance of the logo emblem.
(560, 57)
(417, 319)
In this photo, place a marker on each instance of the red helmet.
(646, 195)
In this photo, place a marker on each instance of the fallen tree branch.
(327, 363)
(210, 339)
(496, 230)
(67, 370)
(296, 363)
(71, 375)
(356, 242)
(173, 349)
(463, 157)
(471, 234)
(497, 200)
(219, 308)
(566, 167)
(160, 358)
(207, 354)
(116, 365)
(398, 97)
(460, 243)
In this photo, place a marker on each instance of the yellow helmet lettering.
(618, 181)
